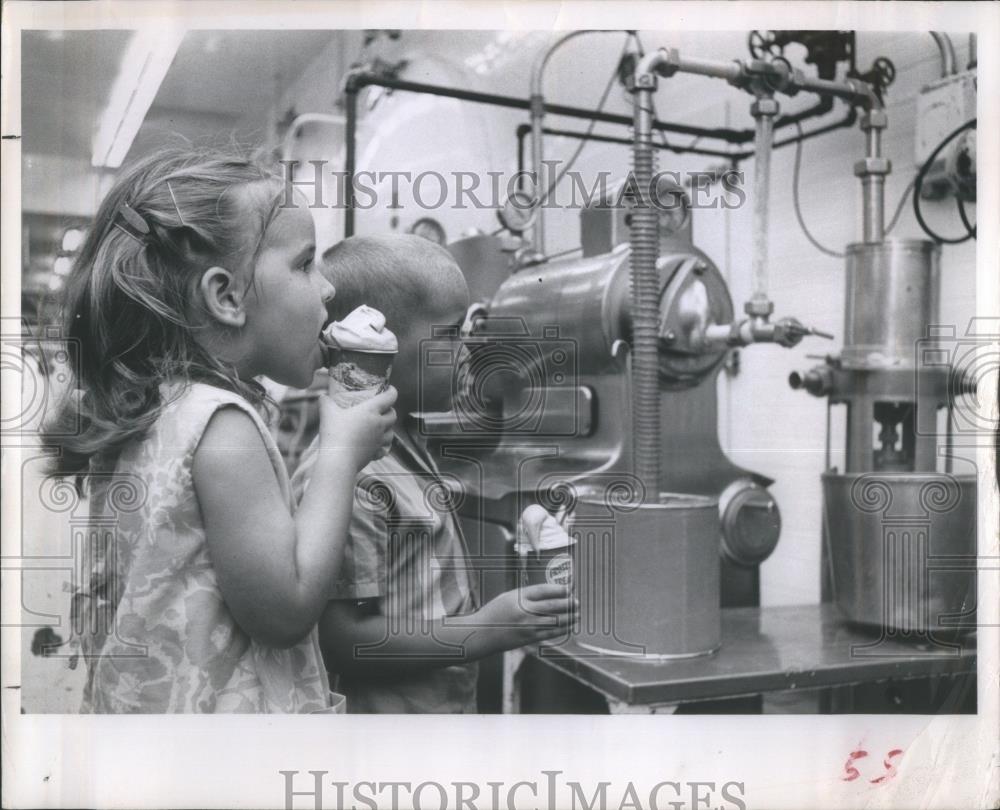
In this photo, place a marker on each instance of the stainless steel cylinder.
(892, 296)
(647, 575)
(902, 549)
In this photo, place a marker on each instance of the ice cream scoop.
(363, 330)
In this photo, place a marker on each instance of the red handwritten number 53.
(851, 773)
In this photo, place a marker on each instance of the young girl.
(204, 590)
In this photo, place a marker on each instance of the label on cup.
(552, 566)
(559, 570)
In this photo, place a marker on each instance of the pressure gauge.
(518, 213)
(674, 205)
(430, 229)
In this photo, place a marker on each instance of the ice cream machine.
(897, 506)
(595, 378)
(549, 381)
(590, 386)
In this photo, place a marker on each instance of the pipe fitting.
(742, 78)
(874, 119)
(355, 80)
(868, 98)
(659, 61)
(817, 381)
(644, 81)
(869, 166)
(764, 105)
(795, 81)
(759, 308)
(670, 63)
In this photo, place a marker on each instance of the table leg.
(512, 660)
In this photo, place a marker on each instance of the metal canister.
(647, 575)
(902, 549)
(892, 295)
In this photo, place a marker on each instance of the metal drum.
(892, 295)
(647, 575)
(902, 548)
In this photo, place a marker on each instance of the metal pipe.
(849, 119)
(853, 91)
(644, 237)
(523, 130)
(361, 79)
(357, 80)
(949, 64)
(775, 74)
(350, 158)
(730, 71)
(873, 189)
(764, 110)
(537, 113)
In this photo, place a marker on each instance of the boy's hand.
(362, 432)
(527, 615)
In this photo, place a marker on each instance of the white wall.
(764, 425)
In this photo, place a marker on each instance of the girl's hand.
(360, 433)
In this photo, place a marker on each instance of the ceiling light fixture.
(146, 61)
(72, 239)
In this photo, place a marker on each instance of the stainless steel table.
(764, 650)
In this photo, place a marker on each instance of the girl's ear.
(223, 299)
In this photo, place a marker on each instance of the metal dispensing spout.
(787, 332)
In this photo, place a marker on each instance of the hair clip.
(129, 233)
(132, 218)
(177, 208)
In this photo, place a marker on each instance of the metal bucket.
(647, 576)
(902, 549)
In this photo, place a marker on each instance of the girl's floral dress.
(152, 624)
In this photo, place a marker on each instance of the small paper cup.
(357, 376)
(549, 565)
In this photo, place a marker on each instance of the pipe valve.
(788, 332)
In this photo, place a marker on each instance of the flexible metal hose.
(645, 246)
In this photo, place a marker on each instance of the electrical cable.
(798, 213)
(795, 201)
(901, 205)
(563, 253)
(970, 229)
(590, 126)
